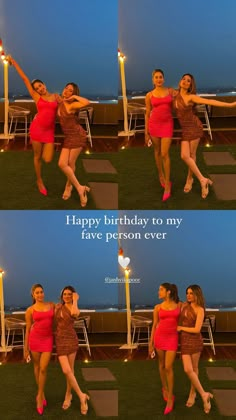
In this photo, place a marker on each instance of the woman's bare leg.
(165, 147)
(162, 372)
(169, 361)
(41, 361)
(195, 382)
(70, 377)
(38, 149)
(48, 152)
(158, 159)
(190, 162)
(192, 393)
(67, 163)
(68, 395)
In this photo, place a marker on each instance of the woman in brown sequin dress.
(191, 343)
(74, 141)
(67, 344)
(192, 131)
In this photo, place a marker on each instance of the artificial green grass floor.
(137, 382)
(139, 186)
(137, 178)
(18, 189)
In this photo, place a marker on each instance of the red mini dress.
(42, 127)
(41, 332)
(161, 119)
(166, 335)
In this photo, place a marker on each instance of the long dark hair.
(71, 288)
(33, 289)
(172, 288)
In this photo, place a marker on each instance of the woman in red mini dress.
(74, 140)
(192, 129)
(164, 338)
(191, 343)
(159, 126)
(43, 125)
(39, 340)
(67, 345)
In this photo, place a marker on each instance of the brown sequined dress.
(75, 135)
(65, 336)
(190, 343)
(192, 128)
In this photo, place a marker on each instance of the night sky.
(200, 251)
(62, 41)
(39, 247)
(178, 36)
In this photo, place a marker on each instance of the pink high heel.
(40, 409)
(169, 409)
(167, 195)
(45, 403)
(43, 191)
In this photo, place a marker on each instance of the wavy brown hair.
(197, 291)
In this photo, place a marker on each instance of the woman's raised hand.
(75, 297)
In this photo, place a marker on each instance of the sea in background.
(117, 308)
(92, 99)
(225, 91)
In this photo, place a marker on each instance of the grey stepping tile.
(97, 374)
(105, 195)
(226, 401)
(224, 186)
(221, 373)
(105, 403)
(219, 158)
(98, 166)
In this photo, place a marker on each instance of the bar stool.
(136, 112)
(81, 326)
(208, 329)
(86, 117)
(140, 324)
(18, 114)
(203, 109)
(16, 328)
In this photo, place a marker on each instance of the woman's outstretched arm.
(25, 79)
(199, 100)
